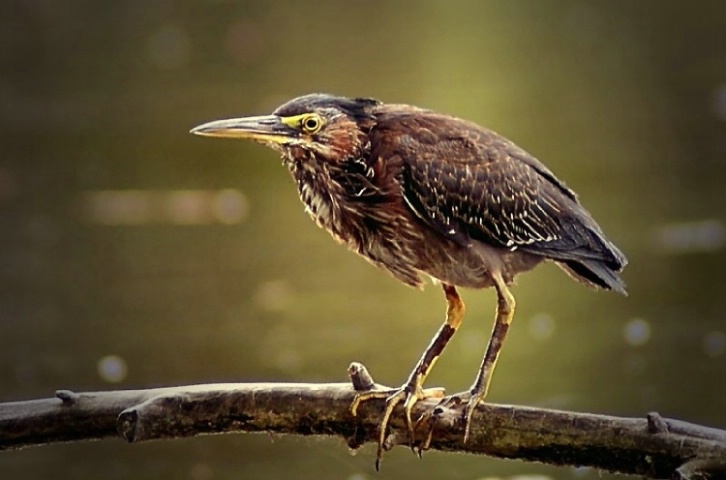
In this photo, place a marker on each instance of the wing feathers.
(470, 183)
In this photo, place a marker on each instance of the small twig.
(654, 447)
(360, 378)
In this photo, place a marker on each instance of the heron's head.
(329, 128)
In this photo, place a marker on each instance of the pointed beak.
(265, 128)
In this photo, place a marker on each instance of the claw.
(453, 402)
(407, 407)
(428, 421)
(368, 395)
(393, 398)
(410, 395)
(391, 402)
(467, 418)
(469, 412)
(426, 444)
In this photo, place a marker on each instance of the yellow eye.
(311, 123)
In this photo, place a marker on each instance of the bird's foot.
(464, 401)
(409, 394)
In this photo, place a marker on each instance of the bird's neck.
(321, 184)
(314, 185)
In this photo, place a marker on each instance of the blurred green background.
(135, 255)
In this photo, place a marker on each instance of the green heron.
(420, 193)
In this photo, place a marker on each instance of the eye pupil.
(311, 124)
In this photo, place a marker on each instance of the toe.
(369, 395)
(468, 414)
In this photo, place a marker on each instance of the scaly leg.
(505, 313)
(412, 391)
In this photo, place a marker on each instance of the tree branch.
(654, 447)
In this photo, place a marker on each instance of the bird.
(424, 194)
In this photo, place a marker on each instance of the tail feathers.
(595, 274)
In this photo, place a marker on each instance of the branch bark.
(653, 446)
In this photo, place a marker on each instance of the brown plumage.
(420, 193)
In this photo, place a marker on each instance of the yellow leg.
(505, 313)
(412, 391)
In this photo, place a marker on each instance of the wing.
(501, 201)
(470, 183)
